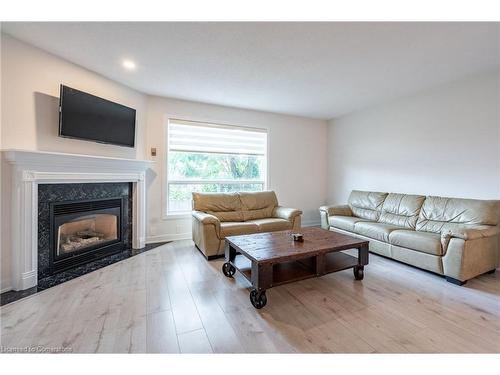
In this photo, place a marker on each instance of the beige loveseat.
(457, 238)
(219, 215)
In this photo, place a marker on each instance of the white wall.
(444, 141)
(5, 258)
(297, 157)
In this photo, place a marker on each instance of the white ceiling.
(319, 70)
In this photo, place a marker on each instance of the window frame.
(166, 215)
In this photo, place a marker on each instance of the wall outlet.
(153, 151)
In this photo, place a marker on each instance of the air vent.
(74, 207)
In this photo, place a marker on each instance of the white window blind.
(196, 137)
(205, 157)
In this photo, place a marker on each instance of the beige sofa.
(457, 238)
(219, 215)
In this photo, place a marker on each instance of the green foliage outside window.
(212, 167)
(197, 166)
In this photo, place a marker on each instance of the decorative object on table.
(298, 237)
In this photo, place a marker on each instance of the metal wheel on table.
(358, 272)
(258, 299)
(228, 269)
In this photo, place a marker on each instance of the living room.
(304, 187)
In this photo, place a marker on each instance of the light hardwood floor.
(171, 299)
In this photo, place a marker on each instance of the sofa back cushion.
(258, 205)
(441, 213)
(366, 204)
(401, 210)
(225, 206)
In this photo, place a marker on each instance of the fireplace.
(37, 178)
(82, 226)
(85, 230)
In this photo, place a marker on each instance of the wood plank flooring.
(171, 300)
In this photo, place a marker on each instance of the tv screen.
(88, 117)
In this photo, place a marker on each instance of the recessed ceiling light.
(128, 64)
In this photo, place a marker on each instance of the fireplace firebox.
(85, 230)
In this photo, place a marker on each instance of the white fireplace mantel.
(30, 168)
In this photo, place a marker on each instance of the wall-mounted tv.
(88, 117)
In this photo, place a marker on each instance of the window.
(212, 158)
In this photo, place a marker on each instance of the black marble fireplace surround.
(50, 198)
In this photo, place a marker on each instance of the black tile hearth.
(61, 277)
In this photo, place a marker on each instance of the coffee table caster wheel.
(258, 299)
(358, 272)
(228, 269)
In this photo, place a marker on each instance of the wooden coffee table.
(272, 259)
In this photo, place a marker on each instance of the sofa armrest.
(205, 218)
(286, 213)
(340, 210)
(465, 234)
(206, 233)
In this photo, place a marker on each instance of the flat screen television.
(88, 117)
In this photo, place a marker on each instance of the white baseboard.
(187, 236)
(28, 280)
(311, 224)
(168, 237)
(6, 289)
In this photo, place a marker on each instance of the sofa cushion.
(227, 216)
(366, 204)
(271, 224)
(344, 222)
(401, 209)
(235, 229)
(377, 231)
(224, 206)
(258, 205)
(425, 242)
(440, 214)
